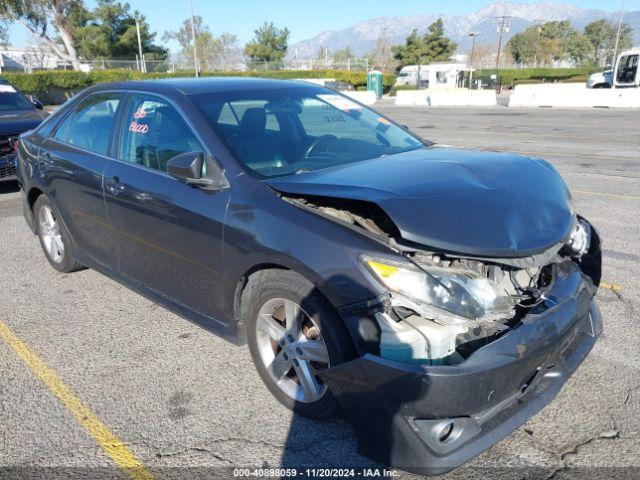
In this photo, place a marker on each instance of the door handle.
(113, 186)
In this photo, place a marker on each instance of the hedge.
(513, 76)
(41, 81)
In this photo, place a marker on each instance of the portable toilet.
(374, 82)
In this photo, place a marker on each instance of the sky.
(304, 18)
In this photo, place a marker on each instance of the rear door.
(72, 163)
(169, 233)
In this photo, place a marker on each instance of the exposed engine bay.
(443, 306)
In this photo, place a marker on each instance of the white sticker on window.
(340, 102)
(7, 89)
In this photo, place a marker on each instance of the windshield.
(11, 99)
(283, 131)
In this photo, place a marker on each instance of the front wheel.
(293, 333)
(53, 237)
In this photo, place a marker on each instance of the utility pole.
(143, 67)
(615, 50)
(502, 23)
(473, 36)
(196, 65)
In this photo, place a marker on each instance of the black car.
(17, 115)
(440, 296)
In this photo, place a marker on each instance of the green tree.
(322, 55)
(601, 35)
(524, 46)
(214, 52)
(269, 44)
(36, 16)
(109, 31)
(343, 55)
(546, 43)
(578, 48)
(430, 47)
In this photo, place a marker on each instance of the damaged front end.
(461, 350)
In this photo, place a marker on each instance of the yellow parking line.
(614, 287)
(111, 444)
(613, 195)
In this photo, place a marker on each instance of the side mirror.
(38, 104)
(189, 168)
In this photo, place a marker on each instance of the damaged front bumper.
(431, 419)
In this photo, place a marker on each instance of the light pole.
(615, 50)
(143, 66)
(473, 36)
(196, 67)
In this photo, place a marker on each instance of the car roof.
(192, 86)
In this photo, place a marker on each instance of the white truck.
(626, 72)
(445, 75)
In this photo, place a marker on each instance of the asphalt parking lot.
(179, 397)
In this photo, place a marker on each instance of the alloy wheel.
(292, 349)
(49, 230)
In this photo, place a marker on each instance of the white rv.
(443, 75)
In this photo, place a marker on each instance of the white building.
(29, 59)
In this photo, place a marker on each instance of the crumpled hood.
(20, 121)
(471, 202)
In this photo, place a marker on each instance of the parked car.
(440, 296)
(17, 115)
(600, 79)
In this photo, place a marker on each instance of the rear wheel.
(53, 237)
(294, 333)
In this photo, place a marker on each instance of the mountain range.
(361, 38)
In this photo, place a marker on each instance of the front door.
(170, 233)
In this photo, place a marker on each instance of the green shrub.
(41, 81)
(394, 90)
(512, 76)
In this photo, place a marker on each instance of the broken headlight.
(580, 238)
(464, 295)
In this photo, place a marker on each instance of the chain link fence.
(238, 65)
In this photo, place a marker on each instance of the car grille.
(6, 145)
(7, 169)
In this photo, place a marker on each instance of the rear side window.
(90, 124)
(154, 132)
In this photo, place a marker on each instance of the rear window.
(11, 99)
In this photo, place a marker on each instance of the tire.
(53, 237)
(320, 324)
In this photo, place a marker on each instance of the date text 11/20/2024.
(314, 473)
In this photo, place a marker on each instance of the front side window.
(627, 69)
(441, 77)
(297, 129)
(90, 124)
(154, 132)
